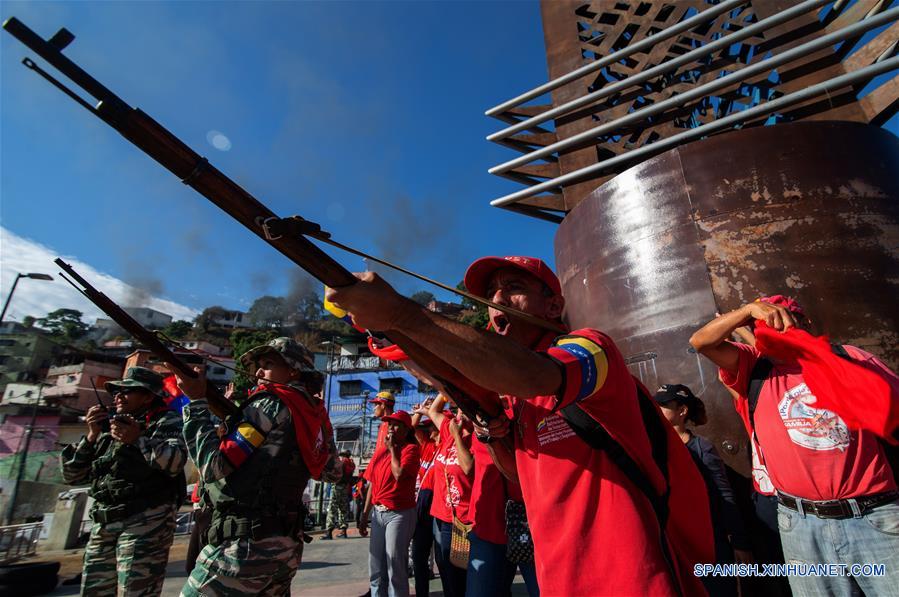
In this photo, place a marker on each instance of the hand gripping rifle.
(218, 404)
(287, 235)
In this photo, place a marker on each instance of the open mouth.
(501, 324)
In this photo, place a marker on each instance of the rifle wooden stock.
(218, 404)
(194, 170)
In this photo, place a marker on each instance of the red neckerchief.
(860, 396)
(310, 422)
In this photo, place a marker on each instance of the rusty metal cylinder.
(809, 209)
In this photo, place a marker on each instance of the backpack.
(762, 370)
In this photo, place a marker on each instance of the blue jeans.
(452, 578)
(388, 552)
(490, 574)
(869, 539)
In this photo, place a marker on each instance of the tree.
(423, 297)
(206, 319)
(241, 342)
(476, 314)
(178, 330)
(64, 324)
(267, 312)
(28, 321)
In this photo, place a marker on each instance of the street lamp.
(13, 289)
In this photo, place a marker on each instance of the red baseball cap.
(479, 272)
(399, 416)
(787, 302)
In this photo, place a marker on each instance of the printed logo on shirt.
(810, 427)
(552, 429)
(760, 471)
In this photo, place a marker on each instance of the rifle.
(287, 235)
(218, 404)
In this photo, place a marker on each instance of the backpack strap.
(757, 377)
(596, 436)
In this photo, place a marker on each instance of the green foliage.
(205, 319)
(267, 312)
(476, 314)
(476, 319)
(241, 342)
(423, 297)
(178, 330)
(64, 324)
(28, 321)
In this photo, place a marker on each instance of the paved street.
(329, 568)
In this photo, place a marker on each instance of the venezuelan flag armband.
(584, 364)
(241, 443)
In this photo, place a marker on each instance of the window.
(393, 384)
(70, 379)
(351, 387)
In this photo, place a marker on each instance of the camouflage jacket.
(161, 443)
(264, 425)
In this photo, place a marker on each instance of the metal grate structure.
(632, 79)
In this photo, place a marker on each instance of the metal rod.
(655, 71)
(851, 78)
(697, 92)
(644, 44)
(55, 57)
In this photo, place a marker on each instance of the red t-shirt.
(488, 497)
(386, 489)
(379, 447)
(425, 477)
(809, 452)
(446, 467)
(594, 532)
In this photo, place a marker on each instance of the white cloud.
(38, 297)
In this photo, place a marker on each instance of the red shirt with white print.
(456, 495)
(809, 452)
(488, 497)
(425, 477)
(594, 532)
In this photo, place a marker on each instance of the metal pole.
(640, 46)
(29, 430)
(856, 76)
(655, 71)
(9, 296)
(697, 92)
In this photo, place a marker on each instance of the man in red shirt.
(392, 472)
(595, 532)
(838, 500)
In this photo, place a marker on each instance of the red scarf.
(861, 397)
(391, 352)
(310, 422)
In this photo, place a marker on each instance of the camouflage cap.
(294, 354)
(137, 377)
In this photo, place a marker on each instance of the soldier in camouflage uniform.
(256, 473)
(135, 465)
(339, 505)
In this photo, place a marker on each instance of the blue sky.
(366, 117)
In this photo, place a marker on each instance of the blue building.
(353, 377)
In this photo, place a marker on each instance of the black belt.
(838, 508)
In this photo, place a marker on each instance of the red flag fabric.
(310, 422)
(391, 352)
(855, 390)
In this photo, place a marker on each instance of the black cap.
(674, 391)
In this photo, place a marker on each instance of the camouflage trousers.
(339, 507)
(245, 567)
(129, 557)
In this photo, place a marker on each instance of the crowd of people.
(540, 453)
